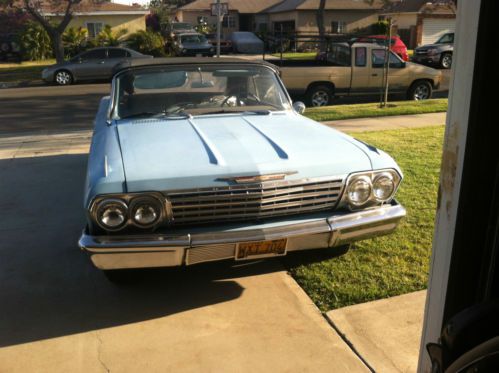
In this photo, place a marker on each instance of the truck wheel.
(446, 61)
(63, 77)
(319, 95)
(420, 90)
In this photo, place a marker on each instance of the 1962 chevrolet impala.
(197, 160)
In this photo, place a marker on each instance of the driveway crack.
(99, 351)
(347, 341)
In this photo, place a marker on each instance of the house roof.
(289, 5)
(242, 6)
(413, 6)
(90, 7)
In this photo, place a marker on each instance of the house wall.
(354, 19)
(404, 20)
(192, 18)
(132, 22)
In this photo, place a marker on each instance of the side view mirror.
(299, 107)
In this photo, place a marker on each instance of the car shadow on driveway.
(49, 288)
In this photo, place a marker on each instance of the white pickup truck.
(356, 69)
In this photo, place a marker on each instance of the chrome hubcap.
(421, 92)
(62, 77)
(320, 98)
(447, 61)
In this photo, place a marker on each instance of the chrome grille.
(253, 201)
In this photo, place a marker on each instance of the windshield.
(446, 39)
(192, 39)
(197, 90)
(181, 26)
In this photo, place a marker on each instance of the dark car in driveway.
(192, 44)
(436, 54)
(94, 64)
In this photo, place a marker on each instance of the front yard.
(395, 264)
(24, 71)
(338, 112)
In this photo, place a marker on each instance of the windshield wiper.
(141, 114)
(223, 111)
(177, 115)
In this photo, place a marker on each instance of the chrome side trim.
(137, 251)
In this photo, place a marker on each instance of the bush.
(35, 42)
(109, 38)
(74, 41)
(380, 28)
(147, 42)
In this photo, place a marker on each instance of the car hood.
(166, 154)
(196, 45)
(428, 46)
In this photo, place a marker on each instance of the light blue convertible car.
(202, 159)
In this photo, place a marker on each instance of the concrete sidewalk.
(386, 333)
(388, 123)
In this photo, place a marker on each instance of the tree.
(109, 38)
(63, 8)
(74, 40)
(320, 25)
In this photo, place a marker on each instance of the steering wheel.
(226, 101)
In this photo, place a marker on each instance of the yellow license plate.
(261, 249)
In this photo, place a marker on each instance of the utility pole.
(218, 27)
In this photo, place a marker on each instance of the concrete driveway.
(59, 314)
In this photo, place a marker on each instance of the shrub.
(75, 41)
(109, 38)
(380, 28)
(35, 42)
(147, 42)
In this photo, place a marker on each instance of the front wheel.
(63, 77)
(446, 61)
(419, 91)
(320, 95)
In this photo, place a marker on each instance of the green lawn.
(337, 112)
(27, 70)
(394, 264)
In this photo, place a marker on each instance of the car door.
(360, 71)
(89, 65)
(398, 77)
(114, 57)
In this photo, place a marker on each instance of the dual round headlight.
(114, 214)
(362, 189)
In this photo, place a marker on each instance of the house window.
(229, 21)
(338, 27)
(94, 28)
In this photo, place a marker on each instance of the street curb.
(21, 84)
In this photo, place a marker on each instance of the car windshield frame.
(439, 41)
(201, 39)
(113, 112)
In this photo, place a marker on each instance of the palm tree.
(109, 38)
(74, 40)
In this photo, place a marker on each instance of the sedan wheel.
(446, 61)
(63, 78)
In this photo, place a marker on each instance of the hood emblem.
(257, 178)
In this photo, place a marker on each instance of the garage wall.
(433, 28)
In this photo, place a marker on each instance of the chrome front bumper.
(164, 250)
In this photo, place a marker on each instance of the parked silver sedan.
(94, 64)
